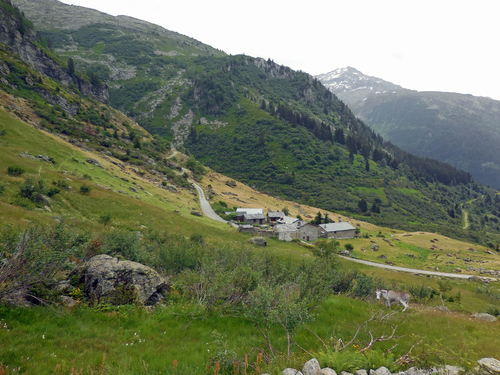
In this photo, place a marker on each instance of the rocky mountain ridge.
(23, 41)
(462, 130)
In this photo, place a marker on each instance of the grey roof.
(250, 210)
(275, 214)
(337, 227)
(254, 216)
(287, 220)
(286, 228)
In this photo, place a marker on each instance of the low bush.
(85, 189)
(15, 170)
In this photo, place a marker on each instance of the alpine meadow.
(110, 264)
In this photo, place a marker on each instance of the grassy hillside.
(276, 129)
(44, 340)
(78, 178)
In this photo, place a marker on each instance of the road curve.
(412, 270)
(205, 206)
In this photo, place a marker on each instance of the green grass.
(39, 340)
(54, 340)
(154, 210)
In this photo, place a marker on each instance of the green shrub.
(493, 311)
(105, 219)
(197, 238)
(363, 286)
(53, 191)
(34, 190)
(15, 170)
(422, 292)
(85, 189)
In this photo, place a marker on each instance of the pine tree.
(71, 66)
(362, 205)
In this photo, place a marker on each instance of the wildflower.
(43, 337)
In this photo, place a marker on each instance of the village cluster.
(288, 228)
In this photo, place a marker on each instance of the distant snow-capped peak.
(349, 79)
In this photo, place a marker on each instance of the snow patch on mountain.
(349, 79)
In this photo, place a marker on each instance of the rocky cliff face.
(17, 34)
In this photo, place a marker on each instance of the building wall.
(343, 234)
(287, 236)
(309, 231)
(257, 231)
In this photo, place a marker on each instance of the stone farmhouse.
(298, 230)
(274, 216)
(250, 216)
(340, 230)
(254, 219)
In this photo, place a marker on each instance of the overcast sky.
(438, 45)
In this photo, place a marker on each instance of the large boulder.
(259, 241)
(110, 280)
(311, 367)
(380, 371)
(291, 371)
(490, 366)
(484, 317)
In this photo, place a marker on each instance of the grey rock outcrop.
(327, 371)
(110, 280)
(291, 371)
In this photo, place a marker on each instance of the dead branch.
(314, 333)
(344, 346)
(406, 358)
(380, 339)
(301, 348)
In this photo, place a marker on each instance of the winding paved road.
(412, 270)
(205, 206)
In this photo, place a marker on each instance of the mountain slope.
(461, 130)
(279, 130)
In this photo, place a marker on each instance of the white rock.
(311, 367)
(490, 365)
